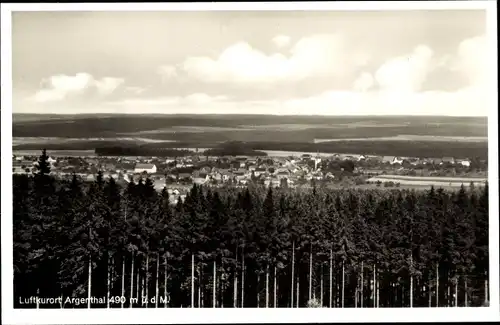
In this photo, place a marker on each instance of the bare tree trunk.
(448, 300)
(258, 291)
(113, 279)
(108, 285)
(456, 293)
(298, 293)
(123, 281)
(377, 282)
(374, 287)
(143, 282)
(293, 272)
(146, 282)
(221, 285)
(138, 284)
(466, 298)
(132, 281)
(430, 294)
(486, 296)
(343, 282)
(330, 292)
(192, 280)
(411, 284)
(202, 287)
(166, 279)
(89, 288)
(437, 284)
(267, 286)
(321, 287)
(157, 282)
(402, 294)
(214, 285)
(199, 286)
(242, 278)
(362, 283)
(275, 288)
(235, 297)
(356, 291)
(310, 272)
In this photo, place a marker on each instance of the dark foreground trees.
(256, 247)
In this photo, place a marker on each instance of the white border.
(11, 316)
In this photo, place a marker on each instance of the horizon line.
(251, 114)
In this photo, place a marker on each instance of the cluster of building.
(219, 170)
(178, 174)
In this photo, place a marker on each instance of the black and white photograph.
(264, 158)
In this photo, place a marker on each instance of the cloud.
(461, 103)
(136, 90)
(59, 87)
(364, 82)
(167, 71)
(281, 40)
(472, 60)
(107, 85)
(165, 104)
(240, 63)
(406, 73)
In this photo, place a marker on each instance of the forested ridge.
(252, 247)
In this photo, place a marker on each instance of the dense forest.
(421, 149)
(252, 247)
(136, 150)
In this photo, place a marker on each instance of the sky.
(283, 63)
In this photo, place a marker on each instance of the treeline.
(233, 148)
(419, 149)
(141, 151)
(252, 247)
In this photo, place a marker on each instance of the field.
(405, 137)
(392, 135)
(429, 181)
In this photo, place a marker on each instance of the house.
(414, 161)
(200, 180)
(109, 166)
(241, 171)
(225, 175)
(259, 171)
(148, 168)
(397, 160)
(437, 161)
(206, 169)
(272, 182)
(306, 156)
(18, 170)
(448, 160)
(388, 159)
(465, 163)
(361, 157)
(239, 175)
(282, 174)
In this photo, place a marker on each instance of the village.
(179, 173)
